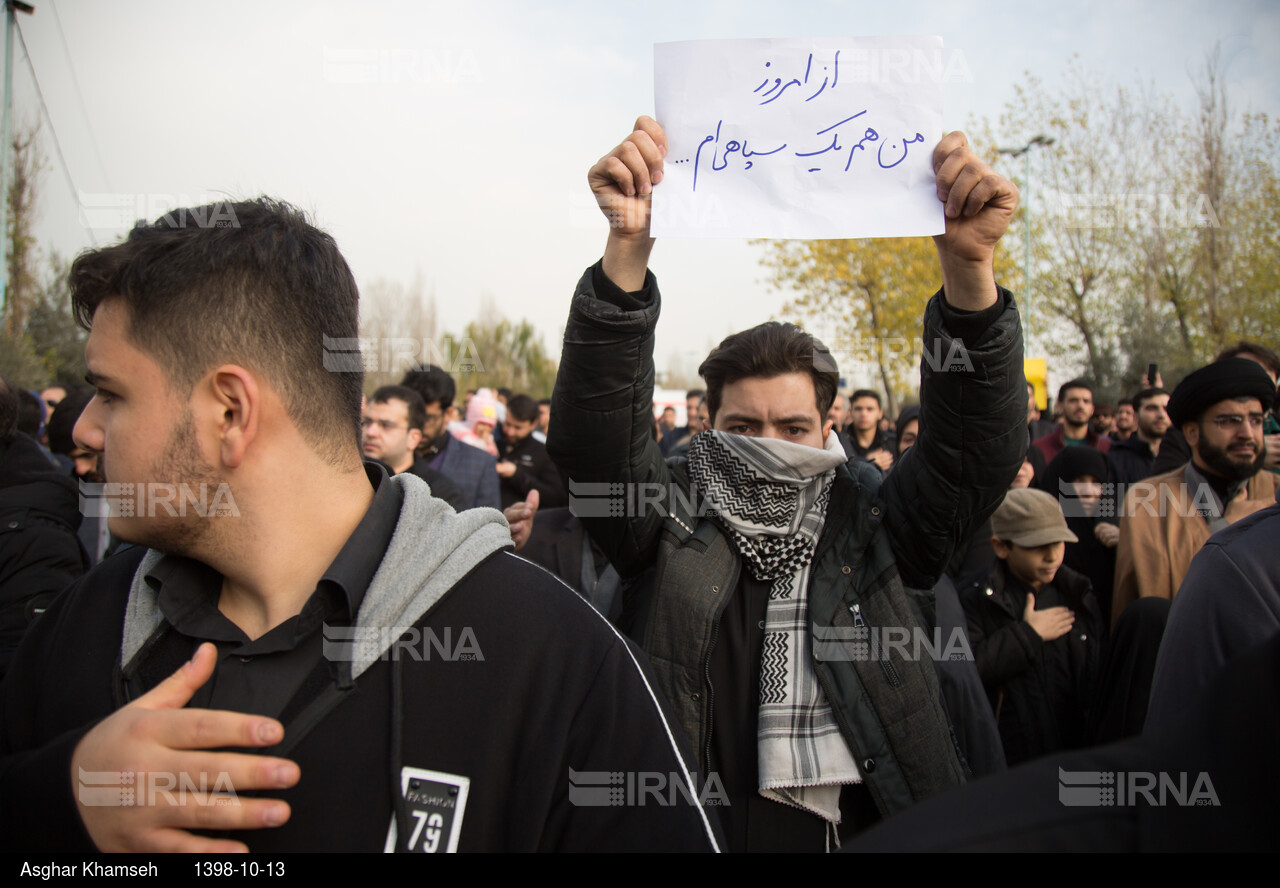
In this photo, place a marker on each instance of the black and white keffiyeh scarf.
(770, 497)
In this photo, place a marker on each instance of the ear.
(1001, 550)
(413, 439)
(1191, 430)
(239, 399)
(826, 429)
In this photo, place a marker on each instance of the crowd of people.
(723, 604)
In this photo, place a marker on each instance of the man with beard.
(94, 533)
(1075, 398)
(758, 559)
(1167, 518)
(1131, 458)
(470, 468)
(1126, 420)
(410, 683)
(525, 466)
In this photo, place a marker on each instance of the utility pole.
(1024, 152)
(6, 143)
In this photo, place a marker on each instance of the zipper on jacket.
(890, 671)
(711, 696)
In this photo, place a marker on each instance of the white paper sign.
(818, 138)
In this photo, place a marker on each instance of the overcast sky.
(453, 139)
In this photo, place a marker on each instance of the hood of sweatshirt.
(432, 549)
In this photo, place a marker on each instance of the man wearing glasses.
(1166, 519)
(392, 429)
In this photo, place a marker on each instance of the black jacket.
(1040, 691)
(1130, 460)
(1215, 763)
(509, 680)
(40, 554)
(534, 471)
(875, 540)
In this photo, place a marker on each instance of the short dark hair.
(546, 401)
(1073, 384)
(767, 351)
(30, 413)
(413, 400)
(865, 393)
(1269, 358)
(695, 393)
(503, 393)
(1146, 395)
(433, 384)
(252, 283)
(62, 422)
(1124, 402)
(522, 408)
(8, 411)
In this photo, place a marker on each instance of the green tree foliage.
(40, 341)
(507, 353)
(865, 299)
(1154, 226)
(869, 295)
(399, 329)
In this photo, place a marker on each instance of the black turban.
(1219, 381)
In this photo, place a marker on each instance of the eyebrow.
(97, 379)
(785, 420)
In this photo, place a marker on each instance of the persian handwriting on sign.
(808, 67)
(779, 138)
(721, 161)
(774, 92)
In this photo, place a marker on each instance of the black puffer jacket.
(971, 444)
(1040, 691)
(40, 554)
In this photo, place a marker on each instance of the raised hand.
(979, 205)
(622, 182)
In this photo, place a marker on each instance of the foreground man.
(748, 617)
(411, 683)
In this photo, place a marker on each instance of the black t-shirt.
(262, 675)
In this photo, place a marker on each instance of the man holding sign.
(770, 578)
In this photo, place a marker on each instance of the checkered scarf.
(771, 498)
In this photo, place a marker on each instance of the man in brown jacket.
(1166, 519)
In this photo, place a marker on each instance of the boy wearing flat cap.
(1035, 629)
(1165, 519)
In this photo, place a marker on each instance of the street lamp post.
(1024, 152)
(6, 130)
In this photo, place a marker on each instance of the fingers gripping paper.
(818, 138)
